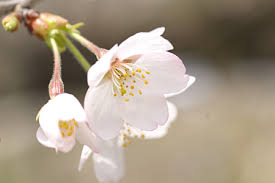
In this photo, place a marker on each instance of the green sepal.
(55, 34)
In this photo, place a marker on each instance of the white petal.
(161, 131)
(67, 107)
(145, 112)
(109, 163)
(144, 42)
(190, 82)
(97, 72)
(103, 111)
(167, 72)
(41, 137)
(85, 136)
(48, 121)
(85, 154)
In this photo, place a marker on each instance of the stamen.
(132, 87)
(142, 136)
(139, 91)
(123, 91)
(146, 82)
(131, 94)
(126, 100)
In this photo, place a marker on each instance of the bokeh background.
(225, 131)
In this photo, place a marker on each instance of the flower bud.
(45, 23)
(11, 22)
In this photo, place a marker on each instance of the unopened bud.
(11, 22)
(56, 87)
(54, 21)
(46, 22)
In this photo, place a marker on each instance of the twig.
(8, 6)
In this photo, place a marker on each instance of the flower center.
(67, 128)
(128, 79)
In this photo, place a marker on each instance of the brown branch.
(8, 6)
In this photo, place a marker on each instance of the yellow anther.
(133, 72)
(124, 144)
(131, 94)
(130, 76)
(123, 91)
(139, 91)
(124, 138)
(126, 100)
(142, 76)
(114, 94)
(142, 136)
(126, 86)
(60, 126)
(72, 128)
(63, 134)
(134, 81)
(66, 127)
(125, 75)
(132, 87)
(70, 133)
(146, 82)
(147, 72)
(138, 70)
(129, 130)
(75, 123)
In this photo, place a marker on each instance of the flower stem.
(56, 85)
(86, 43)
(80, 58)
(57, 59)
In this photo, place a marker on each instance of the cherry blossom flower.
(63, 120)
(128, 84)
(109, 161)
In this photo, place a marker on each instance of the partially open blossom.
(109, 161)
(63, 120)
(128, 84)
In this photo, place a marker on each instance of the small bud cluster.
(39, 24)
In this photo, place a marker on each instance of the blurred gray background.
(225, 131)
